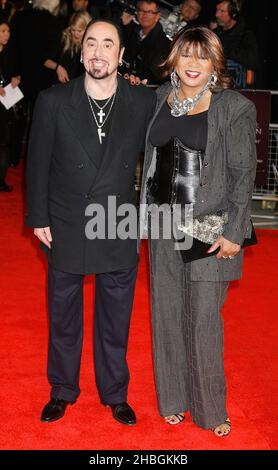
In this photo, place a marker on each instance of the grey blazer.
(227, 177)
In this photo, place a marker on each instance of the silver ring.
(225, 257)
(231, 257)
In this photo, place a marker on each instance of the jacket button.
(81, 165)
(125, 164)
(88, 196)
(118, 195)
(206, 164)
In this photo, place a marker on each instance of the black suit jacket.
(63, 176)
(145, 56)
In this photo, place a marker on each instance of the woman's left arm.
(241, 160)
(241, 163)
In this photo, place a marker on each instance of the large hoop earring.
(175, 80)
(213, 78)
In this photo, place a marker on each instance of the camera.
(128, 6)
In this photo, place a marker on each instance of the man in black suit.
(238, 41)
(85, 140)
(146, 45)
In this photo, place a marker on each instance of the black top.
(239, 44)
(100, 148)
(7, 71)
(191, 130)
(71, 62)
(34, 33)
(7, 64)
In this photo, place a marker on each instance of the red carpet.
(251, 321)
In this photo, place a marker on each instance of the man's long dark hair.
(107, 21)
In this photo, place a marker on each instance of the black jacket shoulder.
(61, 90)
(140, 91)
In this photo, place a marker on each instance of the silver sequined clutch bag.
(206, 228)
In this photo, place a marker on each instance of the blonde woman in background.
(66, 56)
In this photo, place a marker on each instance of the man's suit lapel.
(123, 117)
(79, 116)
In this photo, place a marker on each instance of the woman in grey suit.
(200, 153)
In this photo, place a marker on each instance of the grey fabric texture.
(187, 338)
(187, 298)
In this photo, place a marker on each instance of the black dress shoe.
(123, 413)
(54, 410)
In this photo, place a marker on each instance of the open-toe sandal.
(220, 433)
(174, 419)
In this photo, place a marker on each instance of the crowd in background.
(40, 47)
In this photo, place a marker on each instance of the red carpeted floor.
(250, 316)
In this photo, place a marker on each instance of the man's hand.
(227, 248)
(44, 235)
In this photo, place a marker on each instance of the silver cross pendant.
(101, 115)
(100, 135)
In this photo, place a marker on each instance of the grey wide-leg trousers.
(187, 338)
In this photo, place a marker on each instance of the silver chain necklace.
(181, 107)
(101, 115)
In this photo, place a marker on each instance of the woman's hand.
(227, 249)
(62, 74)
(2, 91)
(15, 81)
(134, 80)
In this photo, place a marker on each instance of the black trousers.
(114, 296)
(5, 143)
(4, 163)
